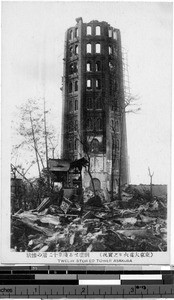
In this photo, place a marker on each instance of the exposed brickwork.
(93, 101)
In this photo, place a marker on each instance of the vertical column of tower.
(123, 136)
(93, 99)
(64, 100)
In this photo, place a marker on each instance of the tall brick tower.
(93, 122)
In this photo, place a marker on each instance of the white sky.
(32, 52)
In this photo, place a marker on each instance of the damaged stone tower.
(93, 122)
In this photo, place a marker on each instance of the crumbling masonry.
(93, 123)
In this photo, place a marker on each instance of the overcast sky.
(32, 66)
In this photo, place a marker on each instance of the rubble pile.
(139, 223)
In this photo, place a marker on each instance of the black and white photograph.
(86, 131)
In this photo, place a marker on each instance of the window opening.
(76, 144)
(110, 50)
(115, 52)
(117, 126)
(117, 144)
(70, 145)
(98, 103)
(88, 67)
(76, 32)
(71, 51)
(88, 48)
(98, 48)
(71, 69)
(100, 124)
(111, 67)
(76, 104)
(98, 84)
(70, 106)
(95, 146)
(75, 125)
(89, 124)
(76, 49)
(75, 68)
(97, 30)
(76, 86)
(98, 66)
(115, 35)
(110, 32)
(89, 84)
(70, 126)
(71, 34)
(97, 184)
(89, 103)
(89, 30)
(70, 87)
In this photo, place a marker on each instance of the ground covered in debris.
(136, 223)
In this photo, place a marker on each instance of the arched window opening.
(88, 48)
(97, 184)
(76, 86)
(115, 35)
(95, 146)
(76, 49)
(115, 52)
(76, 144)
(71, 51)
(112, 124)
(89, 124)
(110, 32)
(98, 84)
(110, 50)
(97, 30)
(111, 67)
(75, 68)
(89, 84)
(76, 32)
(89, 67)
(70, 126)
(89, 103)
(70, 144)
(117, 144)
(71, 69)
(89, 30)
(97, 48)
(117, 164)
(117, 126)
(76, 125)
(98, 66)
(70, 87)
(99, 124)
(76, 104)
(70, 106)
(71, 34)
(98, 103)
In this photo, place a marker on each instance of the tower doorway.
(97, 184)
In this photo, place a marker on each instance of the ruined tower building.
(93, 122)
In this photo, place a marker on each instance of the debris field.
(136, 223)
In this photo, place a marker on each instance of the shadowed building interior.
(93, 121)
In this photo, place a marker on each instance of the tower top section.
(79, 22)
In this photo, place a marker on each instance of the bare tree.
(151, 176)
(36, 135)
